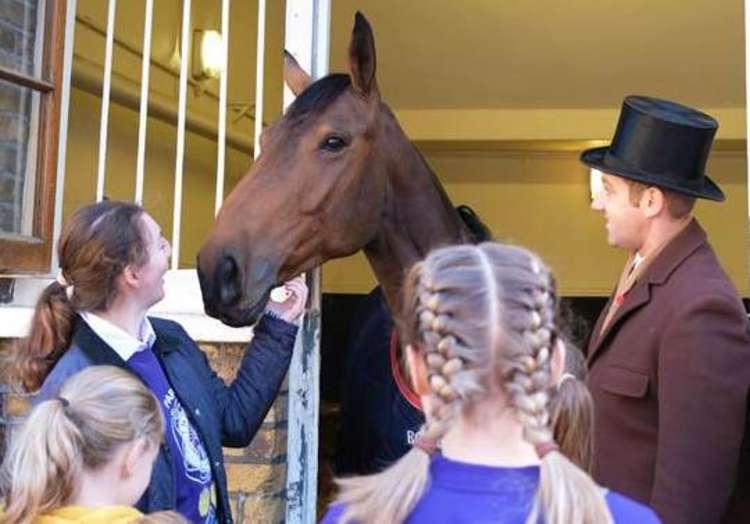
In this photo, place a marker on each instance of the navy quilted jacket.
(223, 415)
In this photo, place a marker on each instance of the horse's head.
(315, 192)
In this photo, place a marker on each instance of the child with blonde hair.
(85, 455)
(485, 357)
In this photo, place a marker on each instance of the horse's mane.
(318, 96)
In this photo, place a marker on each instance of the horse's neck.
(418, 217)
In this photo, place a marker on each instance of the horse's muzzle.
(223, 294)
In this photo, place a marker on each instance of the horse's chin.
(245, 316)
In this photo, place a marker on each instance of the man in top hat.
(669, 356)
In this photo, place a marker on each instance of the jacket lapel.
(637, 297)
(666, 262)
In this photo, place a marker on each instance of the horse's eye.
(333, 144)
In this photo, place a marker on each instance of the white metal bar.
(259, 75)
(221, 145)
(307, 33)
(321, 39)
(62, 145)
(104, 122)
(180, 155)
(143, 121)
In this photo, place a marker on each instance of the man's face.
(625, 222)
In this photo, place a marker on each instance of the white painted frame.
(307, 38)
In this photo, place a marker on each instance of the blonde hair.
(96, 411)
(572, 412)
(482, 317)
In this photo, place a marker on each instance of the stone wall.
(257, 473)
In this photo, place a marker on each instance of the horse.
(336, 174)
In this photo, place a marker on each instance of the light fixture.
(208, 54)
(596, 184)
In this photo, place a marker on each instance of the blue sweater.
(459, 492)
(223, 415)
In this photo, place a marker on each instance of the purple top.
(461, 492)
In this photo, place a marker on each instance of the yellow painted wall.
(540, 200)
(536, 199)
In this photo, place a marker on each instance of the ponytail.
(96, 244)
(97, 411)
(51, 329)
(567, 494)
(572, 412)
(386, 497)
(44, 461)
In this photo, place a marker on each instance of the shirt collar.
(637, 260)
(122, 342)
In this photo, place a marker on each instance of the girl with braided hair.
(484, 356)
(86, 455)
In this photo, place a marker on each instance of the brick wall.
(257, 473)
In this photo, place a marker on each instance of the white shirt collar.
(124, 344)
(638, 259)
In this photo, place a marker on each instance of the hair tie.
(67, 286)
(426, 444)
(564, 377)
(60, 278)
(545, 447)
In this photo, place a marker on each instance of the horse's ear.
(362, 56)
(294, 76)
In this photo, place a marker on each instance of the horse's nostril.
(228, 279)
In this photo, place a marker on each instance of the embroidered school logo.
(194, 457)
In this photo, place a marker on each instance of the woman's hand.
(290, 308)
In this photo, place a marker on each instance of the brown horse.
(336, 174)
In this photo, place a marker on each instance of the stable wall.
(541, 200)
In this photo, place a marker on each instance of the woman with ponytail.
(485, 357)
(85, 456)
(113, 258)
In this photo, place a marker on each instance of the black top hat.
(660, 143)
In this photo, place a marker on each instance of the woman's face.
(151, 274)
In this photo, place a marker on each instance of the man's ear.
(418, 371)
(653, 201)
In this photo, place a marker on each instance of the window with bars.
(31, 52)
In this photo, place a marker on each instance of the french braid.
(482, 317)
(528, 370)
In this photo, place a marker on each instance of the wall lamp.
(208, 54)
